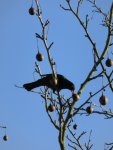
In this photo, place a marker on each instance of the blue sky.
(28, 126)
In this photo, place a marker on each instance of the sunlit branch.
(76, 139)
(44, 37)
(106, 113)
(64, 8)
(92, 95)
(78, 6)
(100, 58)
(88, 145)
(50, 117)
(95, 77)
(98, 9)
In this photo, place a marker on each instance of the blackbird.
(47, 80)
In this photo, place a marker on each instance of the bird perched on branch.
(48, 80)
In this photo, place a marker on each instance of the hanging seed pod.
(51, 108)
(75, 126)
(31, 11)
(5, 137)
(103, 100)
(89, 110)
(39, 57)
(75, 97)
(109, 62)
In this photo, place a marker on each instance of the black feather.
(48, 81)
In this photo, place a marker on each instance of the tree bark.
(61, 142)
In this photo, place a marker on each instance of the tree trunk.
(62, 147)
(61, 141)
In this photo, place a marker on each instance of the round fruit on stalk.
(89, 109)
(75, 126)
(5, 137)
(75, 97)
(31, 11)
(51, 108)
(103, 100)
(109, 62)
(39, 57)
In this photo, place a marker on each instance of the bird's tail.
(32, 85)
